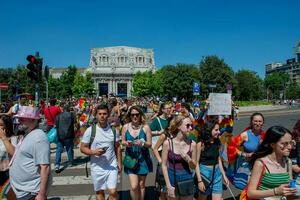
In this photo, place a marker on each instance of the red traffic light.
(31, 59)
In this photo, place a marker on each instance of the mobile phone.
(105, 148)
(292, 183)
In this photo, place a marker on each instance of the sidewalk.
(262, 108)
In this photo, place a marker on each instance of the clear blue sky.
(246, 34)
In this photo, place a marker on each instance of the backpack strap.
(115, 136)
(93, 134)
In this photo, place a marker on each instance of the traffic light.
(33, 68)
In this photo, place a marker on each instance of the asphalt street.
(72, 182)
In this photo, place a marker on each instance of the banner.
(219, 104)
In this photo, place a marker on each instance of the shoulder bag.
(183, 188)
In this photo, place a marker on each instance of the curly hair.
(8, 125)
(137, 108)
(206, 131)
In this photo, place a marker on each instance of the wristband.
(200, 181)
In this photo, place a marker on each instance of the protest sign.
(219, 104)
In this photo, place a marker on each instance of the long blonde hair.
(174, 125)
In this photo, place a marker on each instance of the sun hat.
(28, 112)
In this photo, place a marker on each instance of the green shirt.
(155, 126)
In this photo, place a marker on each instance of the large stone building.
(291, 67)
(113, 68)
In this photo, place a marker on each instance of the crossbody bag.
(183, 188)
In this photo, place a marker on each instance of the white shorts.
(104, 179)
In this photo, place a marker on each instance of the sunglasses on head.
(135, 114)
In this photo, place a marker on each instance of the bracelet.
(200, 181)
(274, 190)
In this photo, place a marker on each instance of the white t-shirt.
(103, 138)
(104, 169)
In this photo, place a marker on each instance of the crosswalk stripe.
(79, 166)
(79, 197)
(71, 180)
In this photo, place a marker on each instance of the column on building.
(110, 86)
(129, 85)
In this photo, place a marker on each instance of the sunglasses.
(189, 126)
(135, 114)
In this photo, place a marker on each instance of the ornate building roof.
(121, 60)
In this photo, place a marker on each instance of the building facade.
(291, 66)
(113, 68)
(56, 72)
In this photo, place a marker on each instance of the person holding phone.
(136, 136)
(105, 155)
(272, 169)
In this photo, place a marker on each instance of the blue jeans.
(68, 143)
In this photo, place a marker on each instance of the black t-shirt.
(210, 153)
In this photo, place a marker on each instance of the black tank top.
(210, 153)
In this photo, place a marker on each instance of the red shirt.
(54, 110)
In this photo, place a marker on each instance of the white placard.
(219, 104)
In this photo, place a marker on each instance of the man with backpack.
(64, 124)
(101, 143)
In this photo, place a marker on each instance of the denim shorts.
(217, 186)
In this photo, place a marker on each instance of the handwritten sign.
(219, 104)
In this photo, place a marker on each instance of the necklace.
(135, 127)
(278, 165)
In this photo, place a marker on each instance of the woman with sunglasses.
(136, 136)
(209, 169)
(178, 156)
(272, 169)
(7, 148)
(158, 127)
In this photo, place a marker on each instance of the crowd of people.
(197, 154)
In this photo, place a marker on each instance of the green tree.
(66, 82)
(177, 81)
(78, 85)
(156, 88)
(249, 85)
(141, 83)
(89, 84)
(53, 84)
(293, 91)
(215, 71)
(275, 83)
